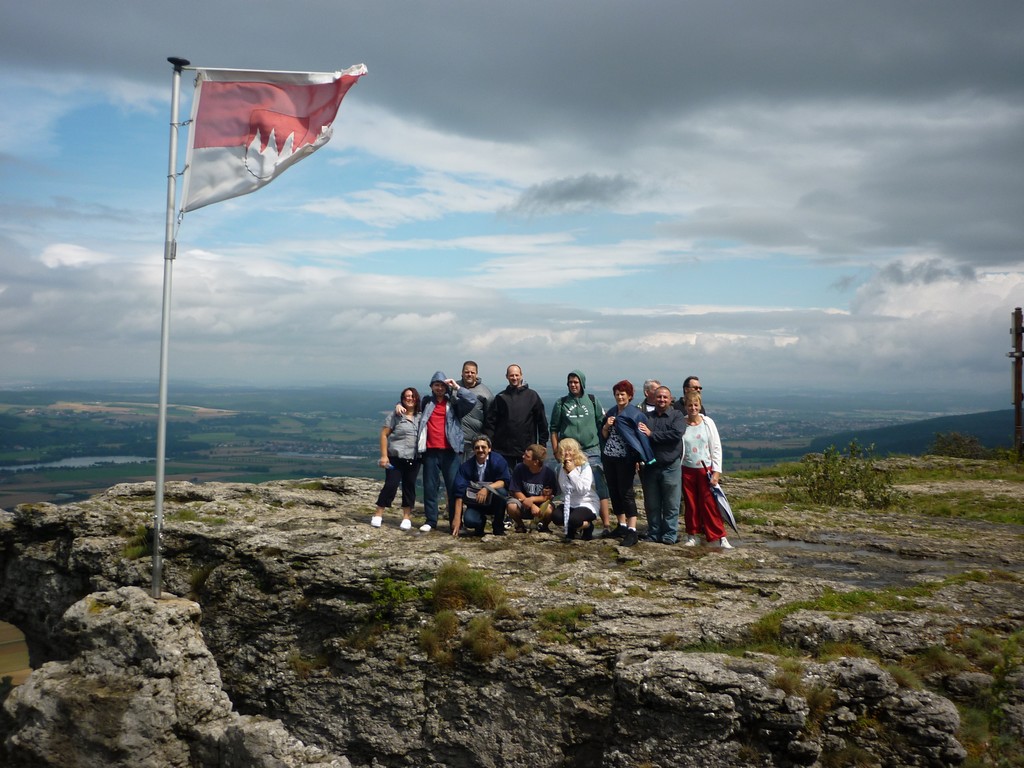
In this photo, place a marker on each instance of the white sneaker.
(426, 528)
(691, 541)
(723, 543)
(406, 524)
(376, 520)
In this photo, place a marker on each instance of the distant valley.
(255, 435)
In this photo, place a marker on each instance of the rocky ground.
(291, 632)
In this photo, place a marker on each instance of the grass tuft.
(457, 586)
(139, 545)
(304, 666)
(904, 677)
(556, 624)
(483, 640)
(436, 638)
(197, 578)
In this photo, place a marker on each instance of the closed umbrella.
(724, 508)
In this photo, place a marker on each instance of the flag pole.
(165, 327)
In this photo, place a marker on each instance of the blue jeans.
(600, 484)
(663, 491)
(438, 462)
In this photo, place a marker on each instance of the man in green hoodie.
(578, 415)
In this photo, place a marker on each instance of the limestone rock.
(319, 638)
(140, 689)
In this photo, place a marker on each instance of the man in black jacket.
(516, 419)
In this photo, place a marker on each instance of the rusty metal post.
(1017, 355)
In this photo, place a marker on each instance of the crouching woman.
(576, 482)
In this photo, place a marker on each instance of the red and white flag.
(249, 126)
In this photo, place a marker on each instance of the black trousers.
(402, 471)
(620, 474)
(577, 516)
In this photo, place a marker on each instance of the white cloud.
(940, 294)
(70, 255)
(426, 198)
(436, 151)
(805, 210)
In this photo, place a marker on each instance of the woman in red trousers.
(701, 447)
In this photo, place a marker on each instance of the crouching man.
(481, 490)
(533, 485)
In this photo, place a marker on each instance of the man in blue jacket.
(481, 488)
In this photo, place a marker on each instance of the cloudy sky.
(790, 194)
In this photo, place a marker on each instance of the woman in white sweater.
(579, 499)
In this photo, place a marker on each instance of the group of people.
(672, 444)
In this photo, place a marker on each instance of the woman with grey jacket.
(399, 459)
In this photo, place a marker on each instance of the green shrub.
(789, 679)
(820, 700)
(831, 650)
(566, 616)
(481, 639)
(389, 594)
(364, 636)
(987, 735)
(958, 446)
(446, 625)
(670, 641)
(975, 734)
(850, 756)
(767, 630)
(458, 587)
(837, 479)
(936, 659)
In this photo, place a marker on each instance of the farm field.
(248, 439)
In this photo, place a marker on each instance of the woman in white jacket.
(702, 447)
(579, 499)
